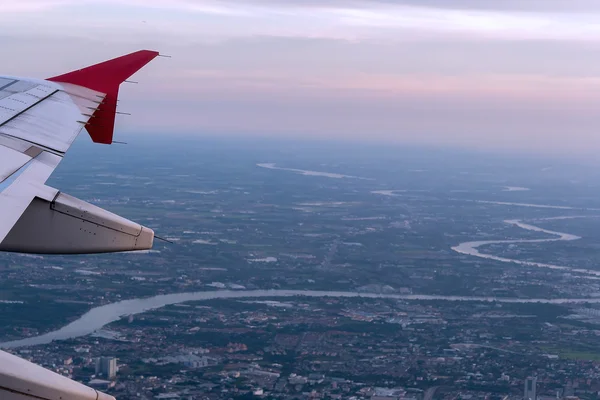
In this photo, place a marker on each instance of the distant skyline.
(492, 74)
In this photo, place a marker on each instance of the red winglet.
(106, 78)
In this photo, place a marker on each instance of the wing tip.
(106, 77)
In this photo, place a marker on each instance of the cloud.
(351, 20)
(9, 6)
(229, 6)
(475, 73)
(508, 5)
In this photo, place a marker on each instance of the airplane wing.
(39, 120)
(22, 380)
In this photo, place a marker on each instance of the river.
(101, 316)
(472, 248)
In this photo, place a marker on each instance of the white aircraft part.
(51, 123)
(72, 206)
(39, 120)
(45, 113)
(12, 160)
(22, 380)
(67, 225)
(28, 183)
(13, 143)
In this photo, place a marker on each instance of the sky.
(511, 75)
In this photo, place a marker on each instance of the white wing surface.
(39, 120)
(22, 380)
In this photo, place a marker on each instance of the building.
(530, 389)
(107, 367)
(388, 394)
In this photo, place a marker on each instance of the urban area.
(288, 277)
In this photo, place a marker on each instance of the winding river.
(99, 317)
(472, 248)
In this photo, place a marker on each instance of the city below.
(303, 270)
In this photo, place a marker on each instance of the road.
(429, 393)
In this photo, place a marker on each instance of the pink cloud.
(9, 6)
(342, 19)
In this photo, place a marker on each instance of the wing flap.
(12, 161)
(23, 186)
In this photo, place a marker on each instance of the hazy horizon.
(514, 76)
